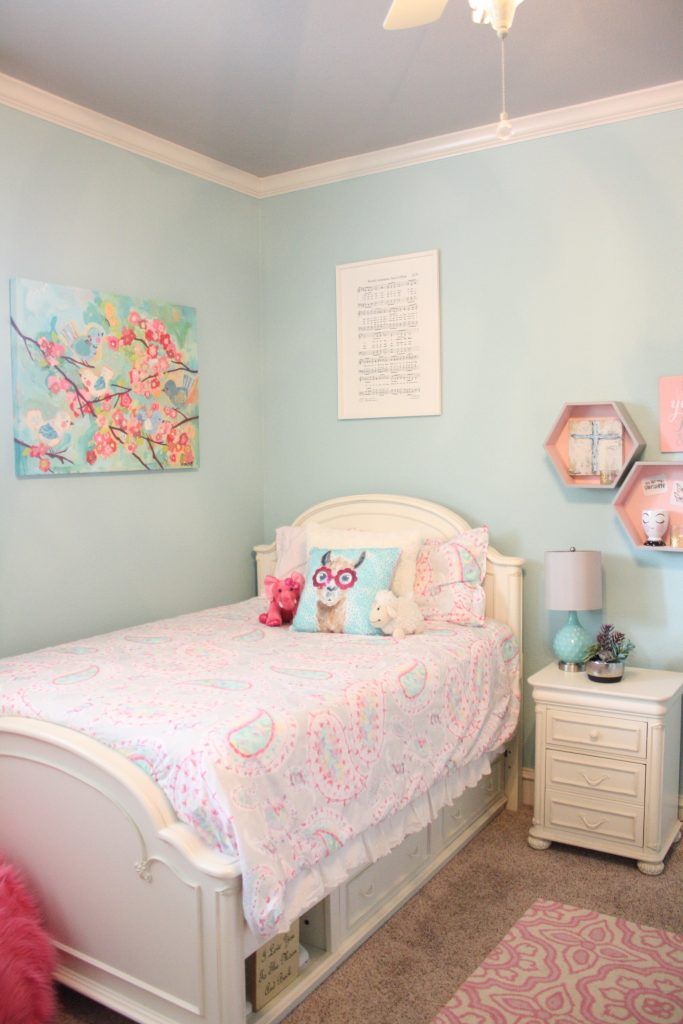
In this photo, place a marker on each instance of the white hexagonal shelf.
(656, 485)
(594, 453)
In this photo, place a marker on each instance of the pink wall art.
(102, 382)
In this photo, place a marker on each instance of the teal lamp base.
(571, 644)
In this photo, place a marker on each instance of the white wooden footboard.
(147, 920)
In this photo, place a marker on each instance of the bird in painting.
(96, 382)
(84, 343)
(151, 421)
(178, 395)
(49, 431)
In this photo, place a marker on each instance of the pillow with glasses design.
(341, 584)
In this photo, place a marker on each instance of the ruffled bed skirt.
(315, 883)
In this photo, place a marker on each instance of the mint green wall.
(560, 281)
(90, 553)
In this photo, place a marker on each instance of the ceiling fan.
(411, 13)
(496, 13)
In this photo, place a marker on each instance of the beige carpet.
(414, 964)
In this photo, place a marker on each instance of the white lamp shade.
(573, 580)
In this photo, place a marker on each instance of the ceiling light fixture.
(499, 14)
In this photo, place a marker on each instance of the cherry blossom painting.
(102, 382)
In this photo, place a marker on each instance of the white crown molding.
(45, 105)
(31, 100)
(655, 100)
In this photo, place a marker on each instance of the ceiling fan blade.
(411, 13)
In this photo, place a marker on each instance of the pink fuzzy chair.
(27, 956)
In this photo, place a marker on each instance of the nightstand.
(607, 763)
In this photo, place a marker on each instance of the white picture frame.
(389, 337)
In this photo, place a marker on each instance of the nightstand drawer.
(616, 779)
(614, 735)
(607, 819)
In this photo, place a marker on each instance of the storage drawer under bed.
(367, 890)
(471, 803)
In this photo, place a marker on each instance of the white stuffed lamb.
(396, 616)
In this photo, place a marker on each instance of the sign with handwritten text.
(273, 967)
(655, 485)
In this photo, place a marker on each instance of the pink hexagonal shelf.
(652, 485)
(588, 450)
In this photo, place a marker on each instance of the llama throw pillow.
(341, 584)
(408, 541)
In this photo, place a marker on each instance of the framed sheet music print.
(389, 337)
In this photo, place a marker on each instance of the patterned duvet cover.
(276, 746)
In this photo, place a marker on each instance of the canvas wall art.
(671, 414)
(102, 382)
(595, 446)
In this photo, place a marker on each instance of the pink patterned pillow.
(449, 578)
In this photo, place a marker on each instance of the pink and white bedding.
(276, 746)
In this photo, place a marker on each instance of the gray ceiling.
(270, 85)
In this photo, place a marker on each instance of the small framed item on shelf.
(593, 444)
(650, 505)
(671, 414)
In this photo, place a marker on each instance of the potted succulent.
(605, 658)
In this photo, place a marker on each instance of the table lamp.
(573, 583)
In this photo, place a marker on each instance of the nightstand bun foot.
(650, 869)
(538, 844)
(677, 838)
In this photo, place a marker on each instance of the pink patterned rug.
(561, 965)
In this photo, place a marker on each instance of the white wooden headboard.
(503, 583)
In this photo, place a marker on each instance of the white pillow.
(409, 541)
(291, 551)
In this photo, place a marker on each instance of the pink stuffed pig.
(283, 597)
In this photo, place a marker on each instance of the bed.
(146, 904)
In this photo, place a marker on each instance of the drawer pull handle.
(456, 815)
(369, 892)
(597, 824)
(414, 853)
(594, 735)
(595, 782)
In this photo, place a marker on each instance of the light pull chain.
(503, 104)
(504, 129)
